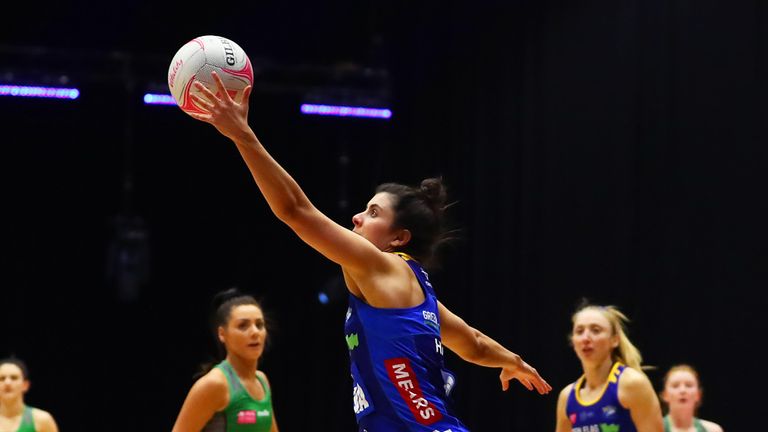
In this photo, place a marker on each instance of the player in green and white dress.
(682, 394)
(15, 415)
(234, 396)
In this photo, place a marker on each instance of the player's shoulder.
(263, 376)
(635, 389)
(43, 419)
(212, 388)
(214, 380)
(632, 377)
(711, 426)
(565, 391)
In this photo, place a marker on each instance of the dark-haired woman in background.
(15, 415)
(395, 327)
(234, 396)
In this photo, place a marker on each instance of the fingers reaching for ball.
(211, 98)
(222, 89)
(201, 102)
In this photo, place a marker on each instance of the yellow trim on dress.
(613, 377)
(404, 256)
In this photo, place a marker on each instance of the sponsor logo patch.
(246, 417)
(402, 377)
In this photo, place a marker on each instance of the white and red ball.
(195, 61)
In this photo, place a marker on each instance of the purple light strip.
(39, 92)
(345, 111)
(159, 99)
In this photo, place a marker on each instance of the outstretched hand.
(227, 116)
(527, 375)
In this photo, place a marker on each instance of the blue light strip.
(345, 111)
(39, 92)
(309, 109)
(159, 99)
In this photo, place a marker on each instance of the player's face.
(375, 223)
(12, 382)
(681, 390)
(245, 332)
(592, 336)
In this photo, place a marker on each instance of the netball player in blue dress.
(395, 327)
(613, 394)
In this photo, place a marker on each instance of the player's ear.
(402, 237)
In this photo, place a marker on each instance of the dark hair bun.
(224, 296)
(434, 190)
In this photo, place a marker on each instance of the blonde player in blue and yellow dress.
(234, 395)
(399, 381)
(613, 394)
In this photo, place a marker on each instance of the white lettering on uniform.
(438, 346)
(404, 382)
(358, 399)
(420, 402)
(429, 315)
(399, 368)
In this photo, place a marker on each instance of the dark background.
(608, 150)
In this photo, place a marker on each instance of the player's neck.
(682, 419)
(245, 368)
(596, 376)
(13, 408)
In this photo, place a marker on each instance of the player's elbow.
(476, 348)
(292, 213)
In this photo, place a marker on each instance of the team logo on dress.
(602, 427)
(448, 380)
(404, 379)
(359, 402)
(246, 417)
(352, 341)
(609, 411)
(430, 318)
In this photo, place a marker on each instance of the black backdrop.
(608, 150)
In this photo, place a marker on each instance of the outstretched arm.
(284, 196)
(474, 346)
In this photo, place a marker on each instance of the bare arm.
(274, 423)
(207, 396)
(274, 418)
(563, 423)
(284, 196)
(474, 346)
(636, 394)
(44, 421)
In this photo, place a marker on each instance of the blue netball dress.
(399, 382)
(604, 414)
